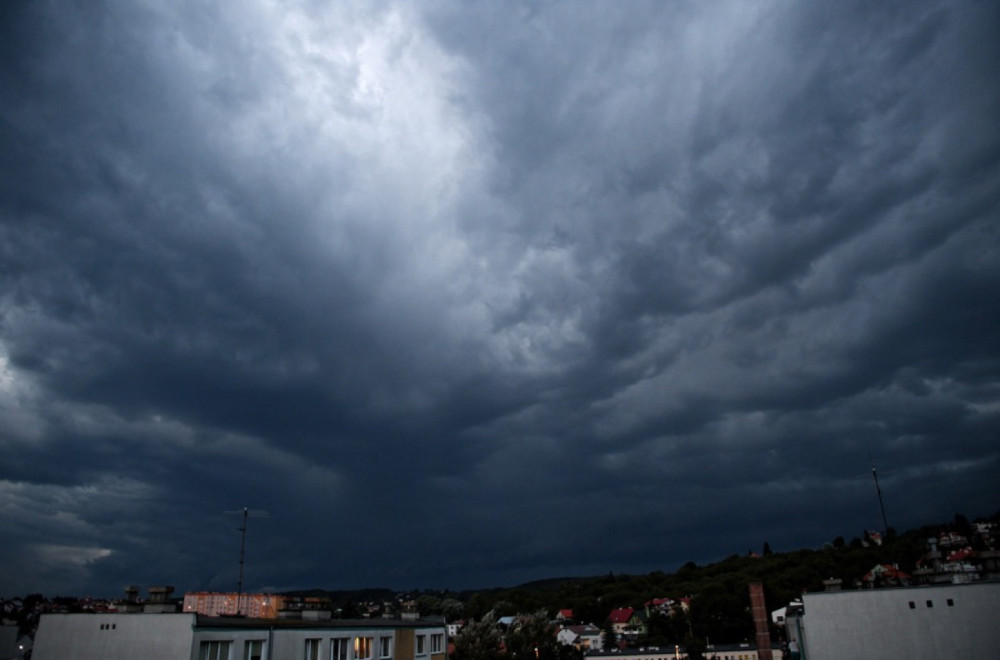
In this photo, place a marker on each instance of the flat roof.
(204, 621)
(907, 587)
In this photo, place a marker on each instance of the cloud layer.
(465, 295)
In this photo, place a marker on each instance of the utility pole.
(242, 529)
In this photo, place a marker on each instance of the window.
(338, 648)
(421, 644)
(913, 605)
(437, 643)
(930, 603)
(951, 602)
(312, 649)
(253, 649)
(214, 650)
(385, 647)
(362, 648)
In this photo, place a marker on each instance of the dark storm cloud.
(467, 295)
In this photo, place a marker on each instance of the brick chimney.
(760, 620)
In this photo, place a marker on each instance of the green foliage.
(479, 640)
(695, 647)
(719, 592)
(532, 636)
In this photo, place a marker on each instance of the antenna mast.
(885, 523)
(242, 529)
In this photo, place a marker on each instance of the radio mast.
(242, 529)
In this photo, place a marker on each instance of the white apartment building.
(187, 636)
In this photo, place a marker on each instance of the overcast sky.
(469, 294)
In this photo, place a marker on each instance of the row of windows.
(253, 649)
(930, 603)
(340, 648)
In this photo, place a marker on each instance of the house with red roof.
(886, 575)
(661, 605)
(628, 622)
(619, 619)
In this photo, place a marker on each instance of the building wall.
(178, 637)
(405, 643)
(290, 643)
(114, 636)
(255, 606)
(8, 642)
(933, 622)
(723, 652)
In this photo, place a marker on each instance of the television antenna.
(242, 529)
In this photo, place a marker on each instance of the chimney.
(410, 611)
(160, 594)
(759, 609)
(159, 601)
(833, 584)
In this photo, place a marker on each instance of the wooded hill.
(718, 592)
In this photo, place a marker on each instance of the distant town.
(879, 595)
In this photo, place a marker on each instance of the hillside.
(718, 592)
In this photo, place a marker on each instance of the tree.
(660, 632)
(610, 639)
(452, 609)
(479, 640)
(767, 549)
(429, 604)
(695, 647)
(531, 636)
(680, 625)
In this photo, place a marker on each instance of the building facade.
(187, 636)
(917, 623)
(255, 606)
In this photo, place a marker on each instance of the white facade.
(585, 637)
(91, 636)
(916, 623)
(186, 636)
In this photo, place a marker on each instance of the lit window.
(338, 648)
(214, 650)
(437, 643)
(253, 649)
(362, 648)
(312, 649)
(385, 647)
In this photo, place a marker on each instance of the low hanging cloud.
(465, 295)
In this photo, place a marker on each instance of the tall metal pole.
(243, 545)
(885, 523)
(242, 529)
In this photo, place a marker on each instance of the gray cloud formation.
(469, 295)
